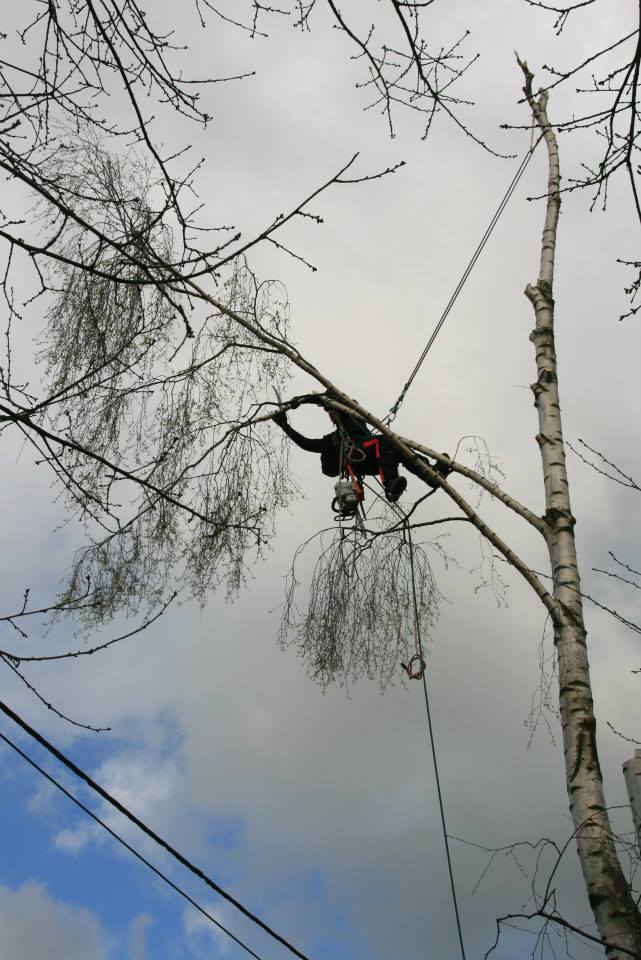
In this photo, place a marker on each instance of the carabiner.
(355, 454)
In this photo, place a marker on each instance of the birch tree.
(616, 913)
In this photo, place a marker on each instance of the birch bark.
(616, 914)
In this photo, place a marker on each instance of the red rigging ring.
(415, 668)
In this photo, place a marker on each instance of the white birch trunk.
(632, 774)
(616, 915)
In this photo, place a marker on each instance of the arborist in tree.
(351, 449)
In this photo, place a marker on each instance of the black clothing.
(363, 461)
(352, 441)
(328, 446)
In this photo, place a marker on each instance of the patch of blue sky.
(97, 872)
(225, 832)
(117, 888)
(33, 816)
(47, 839)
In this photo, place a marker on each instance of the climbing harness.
(374, 442)
(348, 491)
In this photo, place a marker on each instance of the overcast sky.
(318, 809)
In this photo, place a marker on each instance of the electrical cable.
(127, 846)
(432, 744)
(147, 830)
(486, 236)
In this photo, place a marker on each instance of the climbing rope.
(486, 236)
(416, 666)
(419, 643)
(416, 670)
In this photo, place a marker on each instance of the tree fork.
(616, 914)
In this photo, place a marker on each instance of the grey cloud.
(34, 925)
(137, 933)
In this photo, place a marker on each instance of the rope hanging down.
(486, 236)
(416, 670)
(417, 627)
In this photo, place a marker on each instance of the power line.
(486, 236)
(147, 830)
(128, 847)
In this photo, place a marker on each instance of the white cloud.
(33, 925)
(42, 797)
(140, 782)
(137, 934)
(146, 780)
(204, 938)
(74, 839)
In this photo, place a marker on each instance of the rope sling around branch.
(477, 253)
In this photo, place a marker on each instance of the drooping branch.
(358, 618)
(9, 661)
(18, 657)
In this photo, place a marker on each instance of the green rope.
(433, 748)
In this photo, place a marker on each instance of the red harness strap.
(377, 450)
(351, 456)
(357, 486)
